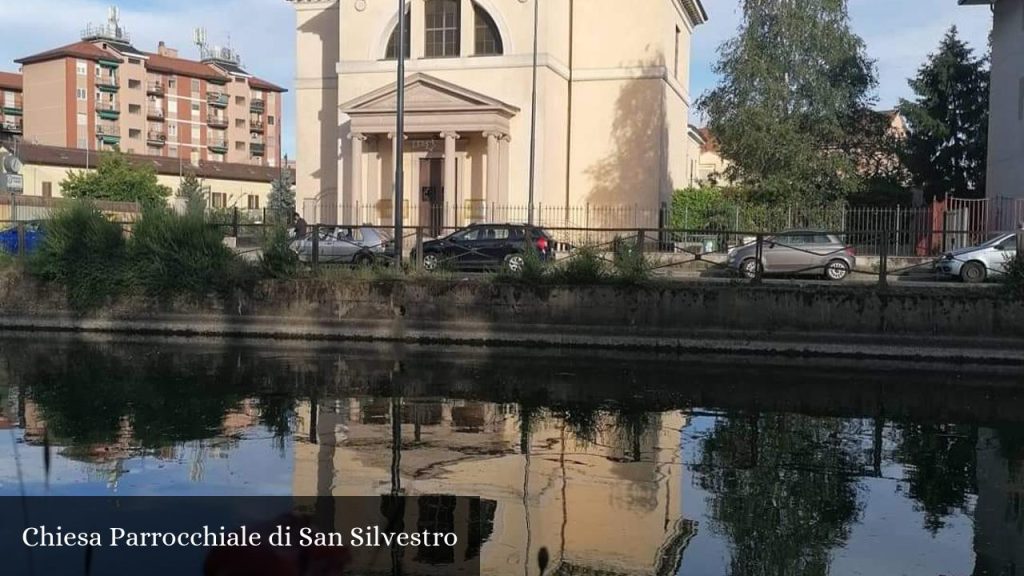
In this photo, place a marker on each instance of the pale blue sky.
(899, 34)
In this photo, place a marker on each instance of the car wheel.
(363, 260)
(837, 270)
(515, 263)
(750, 268)
(430, 262)
(973, 273)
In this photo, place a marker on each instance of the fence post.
(316, 247)
(641, 236)
(883, 259)
(21, 239)
(234, 222)
(1020, 241)
(758, 258)
(419, 248)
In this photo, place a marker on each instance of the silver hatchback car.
(361, 245)
(979, 263)
(796, 252)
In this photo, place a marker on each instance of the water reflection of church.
(604, 502)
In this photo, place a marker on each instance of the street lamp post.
(533, 114)
(400, 137)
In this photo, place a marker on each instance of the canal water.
(617, 463)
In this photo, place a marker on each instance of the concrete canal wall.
(801, 319)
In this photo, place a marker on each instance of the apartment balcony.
(108, 110)
(14, 108)
(217, 145)
(257, 149)
(107, 83)
(156, 138)
(12, 126)
(257, 126)
(156, 114)
(214, 121)
(217, 100)
(108, 133)
(257, 105)
(155, 88)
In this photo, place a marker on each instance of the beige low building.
(241, 186)
(609, 504)
(1005, 177)
(612, 106)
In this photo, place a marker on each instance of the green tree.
(795, 84)
(116, 178)
(192, 191)
(948, 144)
(282, 197)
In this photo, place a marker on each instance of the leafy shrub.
(584, 266)
(278, 260)
(85, 252)
(172, 253)
(1015, 276)
(629, 263)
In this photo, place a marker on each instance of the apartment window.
(172, 151)
(135, 109)
(239, 123)
(81, 68)
(194, 158)
(47, 189)
(134, 61)
(391, 52)
(135, 84)
(83, 119)
(240, 146)
(219, 199)
(253, 202)
(82, 143)
(240, 100)
(172, 130)
(172, 82)
(488, 41)
(270, 120)
(678, 33)
(99, 71)
(195, 85)
(135, 134)
(9, 99)
(195, 134)
(80, 93)
(442, 28)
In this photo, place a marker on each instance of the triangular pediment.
(424, 93)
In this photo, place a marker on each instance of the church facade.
(611, 115)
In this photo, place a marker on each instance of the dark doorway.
(432, 194)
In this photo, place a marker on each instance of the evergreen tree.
(947, 149)
(116, 178)
(282, 197)
(192, 191)
(788, 110)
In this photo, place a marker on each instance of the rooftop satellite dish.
(12, 165)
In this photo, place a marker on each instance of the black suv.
(486, 246)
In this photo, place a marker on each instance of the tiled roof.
(183, 67)
(76, 158)
(260, 84)
(83, 50)
(10, 81)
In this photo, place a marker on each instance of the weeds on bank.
(1014, 278)
(277, 259)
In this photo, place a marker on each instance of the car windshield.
(996, 241)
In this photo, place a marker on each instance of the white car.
(979, 263)
(361, 245)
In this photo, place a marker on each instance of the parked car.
(361, 245)
(9, 239)
(796, 252)
(979, 263)
(486, 246)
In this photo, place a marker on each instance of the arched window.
(442, 28)
(488, 40)
(391, 53)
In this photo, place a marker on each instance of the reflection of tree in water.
(782, 488)
(940, 468)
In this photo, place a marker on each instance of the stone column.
(492, 166)
(450, 175)
(357, 196)
(503, 170)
